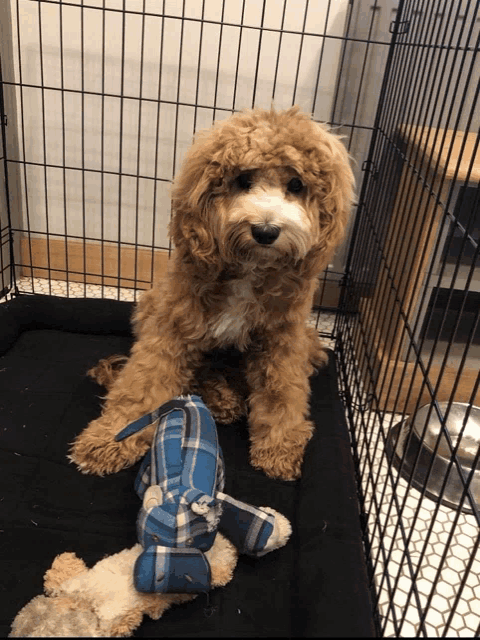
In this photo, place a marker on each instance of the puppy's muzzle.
(265, 233)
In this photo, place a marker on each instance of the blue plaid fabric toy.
(180, 483)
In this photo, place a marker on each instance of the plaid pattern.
(174, 571)
(180, 482)
(248, 527)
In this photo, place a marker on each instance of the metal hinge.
(399, 28)
(5, 120)
(370, 167)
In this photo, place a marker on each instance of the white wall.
(97, 56)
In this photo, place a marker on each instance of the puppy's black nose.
(265, 233)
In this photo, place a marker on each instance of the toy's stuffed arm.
(282, 530)
(253, 530)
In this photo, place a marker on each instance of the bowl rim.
(411, 420)
(392, 449)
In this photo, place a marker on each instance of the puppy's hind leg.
(107, 370)
(221, 384)
(225, 403)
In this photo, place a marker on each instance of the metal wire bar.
(220, 40)
(64, 145)
(177, 107)
(210, 21)
(139, 137)
(259, 49)
(157, 130)
(44, 141)
(261, 27)
(197, 80)
(299, 58)
(6, 234)
(102, 158)
(120, 143)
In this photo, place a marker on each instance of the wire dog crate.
(100, 99)
(408, 341)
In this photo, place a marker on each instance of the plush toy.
(182, 552)
(103, 601)
(181, 481)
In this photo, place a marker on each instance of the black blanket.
(315, 586)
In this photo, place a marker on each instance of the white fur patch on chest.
(235, 319)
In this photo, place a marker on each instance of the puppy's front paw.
(282, 459)
(276, 465)
(96, 451)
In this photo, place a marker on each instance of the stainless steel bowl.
(423, 446)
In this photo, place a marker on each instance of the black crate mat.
(315, 586)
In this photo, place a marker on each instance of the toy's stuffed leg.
(253, 530)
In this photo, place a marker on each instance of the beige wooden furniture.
(436, 159)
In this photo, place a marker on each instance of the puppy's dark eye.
(295, 185)
(244, 181)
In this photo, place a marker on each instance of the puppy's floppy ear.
(334, 200)
(191, 236)
(193, 200)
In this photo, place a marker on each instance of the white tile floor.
(443, 558)
(436, 562)
(64, 289)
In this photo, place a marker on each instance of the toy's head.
(63, 616)
(103, 601)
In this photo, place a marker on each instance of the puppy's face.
(262, 187)
(264, 215)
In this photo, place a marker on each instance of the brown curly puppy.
(259, 207)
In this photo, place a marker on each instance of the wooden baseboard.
(403, 388)
(399, 385)
(104, 263)
(327, 294)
